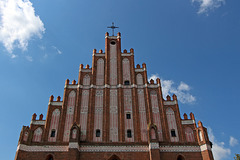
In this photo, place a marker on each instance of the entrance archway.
(180, 157)
(49, 157)
(114, 157)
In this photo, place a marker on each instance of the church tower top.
(112, 27)
(113, 37)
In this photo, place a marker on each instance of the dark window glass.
(128, 116)
(173, 133)
(113, 42)
(50, 157)
(129, 133)
(126, 82)
(53, 133)
(98, 133)
(180, 158)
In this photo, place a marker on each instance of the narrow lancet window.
(129, 133)
(98, 133)
(173, 133)
(53, 133)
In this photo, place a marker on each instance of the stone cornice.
(115, 148)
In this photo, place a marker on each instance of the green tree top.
(237, 157)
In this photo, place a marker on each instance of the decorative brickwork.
(113, 113)
(84, 113)
(113, 116)
(156, 114)
(98, 118)
(54, 126)
(69, 116)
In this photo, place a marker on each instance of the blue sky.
(192, 45)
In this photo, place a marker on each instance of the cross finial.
(112, 27)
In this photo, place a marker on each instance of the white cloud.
(207, 5)
(154, 77)
(183, 87)
(18, 24)
(45, 55)
(220, 152)
(13, 56)
(182, 90)
(29, 58)
(42, 47)
(233, 141)
(58, 51)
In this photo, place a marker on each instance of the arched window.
(126, 70)
(25, 137)
(54, 125)
(172, 125)
(189, 134)
(86, 80)
(69, 115)
(139, 79)
(74, 133)
(180, 157)
(37, 135)
(156, 114)
(49, 157)
(100, 72)
(114, 157)
(84, 113)
(153, 133)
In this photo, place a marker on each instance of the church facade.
(113, 113)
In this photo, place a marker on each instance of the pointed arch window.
(49, 157)
(180, 157)
(37, 135)
(153, 133)
(100, 72)
(86, 80)
(25, 136)
(69, 115)
(139, 79)
(172, 125)
(114, 157)
(189, 134)
(54, 125)
(126, 71)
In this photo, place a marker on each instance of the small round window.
(113, 42)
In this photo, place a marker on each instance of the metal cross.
(113, 27)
